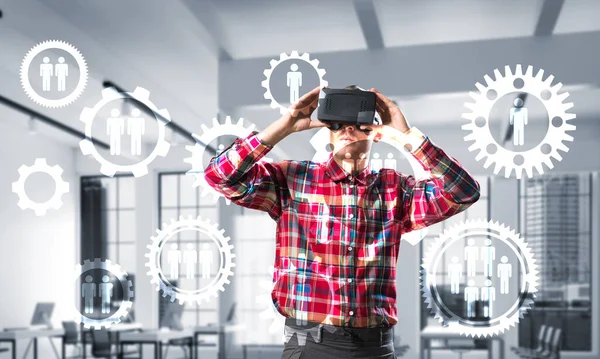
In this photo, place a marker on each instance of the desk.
(116, 328)
(445, 333)
(156, 337)
(31, 334)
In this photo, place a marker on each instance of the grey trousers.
(329, 342)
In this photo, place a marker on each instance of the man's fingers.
(316, 124)
(385, 100)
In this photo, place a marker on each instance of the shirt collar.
(337, 173)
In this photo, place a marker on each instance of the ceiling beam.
(369, 23)
(548, 17)
(206, 14)
(427, 69)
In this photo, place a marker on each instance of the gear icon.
(527, 287)
(138, 169)
(208, 135)
(284, 57)
(55, 201)
(26, 83)
(547, 149)
(323, 148)
(126, 285)
(190, 224)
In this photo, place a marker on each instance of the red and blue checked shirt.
(338, 235)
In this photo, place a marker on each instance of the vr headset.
(338, 108)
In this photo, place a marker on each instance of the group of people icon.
(189, 258)
(487, 293)
(379, 163)
(59, 70)
(115, 128)
(91, 290)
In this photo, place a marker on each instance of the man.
(353, 276)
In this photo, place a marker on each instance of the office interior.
(204, 62)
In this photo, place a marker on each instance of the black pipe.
(176, 128)
(50, 121)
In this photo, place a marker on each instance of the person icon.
(206, 260)
(488, 255)
(518, 120)
(323, 235)
(88, 293)
(455, 272)
(220, 149)
(294, 82)
(190, 258)
(504, 273)
(302, 292)
(115, 128)
(136, 127)
(174, 259)
(61, 71)
(471, 256)
(488, 296)
(390, 162)
(471, 298)
(106, 293)
(46, 72)
(376, 162)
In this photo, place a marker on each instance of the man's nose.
(349, 127)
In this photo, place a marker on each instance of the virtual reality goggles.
(338, 108)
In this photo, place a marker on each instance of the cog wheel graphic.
(138, 169)
(160, 279)
(479, 127)
(55, 201)
(26, 83)
(208, 135)
(284, 57)
(269, 312)
(527, 286)
(322, 146)
(126, 285)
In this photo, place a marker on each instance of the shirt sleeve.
(241, 177)
(449, 190)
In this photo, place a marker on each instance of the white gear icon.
(55, 201)
(320, 142)
(59, 45)
(208, 135)
(284, 57)
(535, 157)
(126, 285)
(528, 284)
(138, 169)
(190, 224)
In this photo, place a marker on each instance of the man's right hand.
(298, 115)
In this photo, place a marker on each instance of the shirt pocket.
(315, 222)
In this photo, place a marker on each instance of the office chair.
(71, 337)
(552, 350)
(542, 342)
(102, 346)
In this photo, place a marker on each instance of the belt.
(361, 336)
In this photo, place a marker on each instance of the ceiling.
(181, 51)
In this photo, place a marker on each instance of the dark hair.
(351, 87)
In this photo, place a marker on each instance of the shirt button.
(349, 280)
(350, 248)
(351, 216)
(351, 313)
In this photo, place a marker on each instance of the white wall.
(37, 254)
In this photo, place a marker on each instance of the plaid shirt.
(338, 235)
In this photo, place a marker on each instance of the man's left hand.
(391, 117)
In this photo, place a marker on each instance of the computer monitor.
(172, 317)
(42, 314)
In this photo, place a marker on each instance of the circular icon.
(49, 74)
(294, 79)
(172, 261)
(517, 116)
(480, 277)
(117, 124)
(106, 293)
(40, 166)
(197, 160)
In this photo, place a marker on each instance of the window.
(480, 209)
(178, 197)
(555, 219)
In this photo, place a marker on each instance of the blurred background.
(204, 61)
